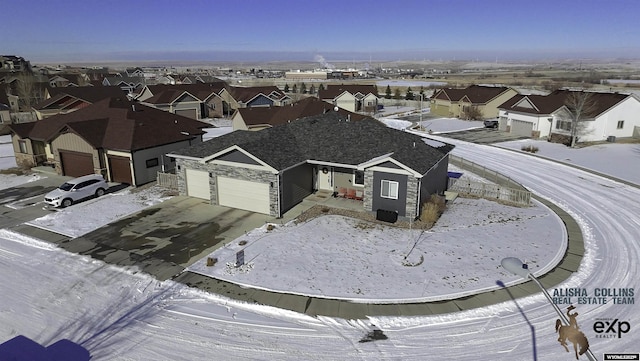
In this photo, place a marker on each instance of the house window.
(620, 124)
(563, 124)
(152, 162)
(389, 189)
(23, 146)
(358, 178)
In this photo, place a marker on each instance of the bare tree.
(472, 113)
(28, 91)
(581, 107)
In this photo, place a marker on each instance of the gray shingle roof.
(326, 138)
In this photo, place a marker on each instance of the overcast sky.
(234, 30)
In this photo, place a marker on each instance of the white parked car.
(77, 189)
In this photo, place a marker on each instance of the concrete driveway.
(166, 238)
(483, 136)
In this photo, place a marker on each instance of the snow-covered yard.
(616, 159)
(343, 258)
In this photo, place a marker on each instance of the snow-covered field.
(121, 314)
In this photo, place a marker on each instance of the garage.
(241, 194)
(198, 184)
(189, 113)
(120, 169)
(519, 127)
(75, 164)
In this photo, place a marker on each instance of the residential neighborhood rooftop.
(116, 123)
(330, 137)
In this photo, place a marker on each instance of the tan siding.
(491, 108)
(70, 141)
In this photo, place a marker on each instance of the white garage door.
(198, 184)
(519, 127)
(247, 195)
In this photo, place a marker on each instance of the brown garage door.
(76, 164)
(189, 113)
(120, 169)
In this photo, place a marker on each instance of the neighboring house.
(353, 97)
(196, 101)
(459, 103)
(98, 74)
(12, 63)
(247, 97)
(122, 140)
(272, 170)
(134, 73)
(5, 108)
(68, 99)
(547, 116)
(258, 118)
(165, 79)
(127, 84)
(65, 80)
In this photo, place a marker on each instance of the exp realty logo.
(610, 328)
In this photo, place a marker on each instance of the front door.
(325, 178)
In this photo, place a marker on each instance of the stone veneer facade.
(412, 195)
(248, 174)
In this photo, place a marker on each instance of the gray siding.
(260, 101)
(435, 181)
(388, 164)
(297, 183)
(399, 205)
(238, 157)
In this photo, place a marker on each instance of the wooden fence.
(167, 180)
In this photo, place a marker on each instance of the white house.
(615, 115)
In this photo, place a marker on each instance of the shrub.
(432, 209)
(439, 201)
(271, 227)
(211, 261)
(529, 148)
(430, 213)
